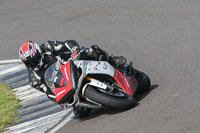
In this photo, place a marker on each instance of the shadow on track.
(98, 112)
(138, 98)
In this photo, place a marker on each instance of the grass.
(8, 107)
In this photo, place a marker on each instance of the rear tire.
(144, 82)
(108, 100)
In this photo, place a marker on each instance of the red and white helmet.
(30, 54)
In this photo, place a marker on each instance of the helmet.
(30, 54)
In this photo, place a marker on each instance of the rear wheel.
(107, 100)
(143, 81)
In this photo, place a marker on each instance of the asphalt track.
(161, 37)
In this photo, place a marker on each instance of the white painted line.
(1, 66)
(10, 61)
(38, 120)
(32, 96)
(22, 88)
(32, 127)
(42, 129)
(27, 92)
(70, 117)
(16, 68)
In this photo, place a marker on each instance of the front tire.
(108, 100)
(144, 82)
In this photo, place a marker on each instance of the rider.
(38, 59)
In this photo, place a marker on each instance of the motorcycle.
(89, 84)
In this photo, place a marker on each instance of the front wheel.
(143, 81)
(95, 95)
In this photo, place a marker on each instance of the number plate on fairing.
(95, 67)
(99, 67)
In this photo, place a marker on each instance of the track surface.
(161, 37)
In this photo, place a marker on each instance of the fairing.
(127, 83)
(62, 81)
(95, 67)
(66, 85)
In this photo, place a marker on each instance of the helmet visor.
(33, 61)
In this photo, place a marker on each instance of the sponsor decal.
(105, 66)
(95, 68)
(54, 73)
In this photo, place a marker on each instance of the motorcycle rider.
(38, 59)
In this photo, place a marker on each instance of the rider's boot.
(117, 61)
(94, 52)
(81, 111)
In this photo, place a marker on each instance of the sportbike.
(88, 84)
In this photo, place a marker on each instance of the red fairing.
(128, 83)
(62, 81)
(61, 92)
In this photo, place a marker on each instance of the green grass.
(8, 107)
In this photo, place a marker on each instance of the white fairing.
(95, 67)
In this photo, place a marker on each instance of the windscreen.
(54, 78)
